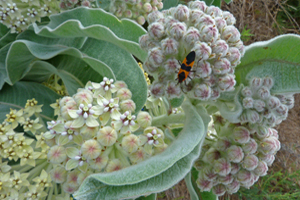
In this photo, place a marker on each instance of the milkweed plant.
(93, 106)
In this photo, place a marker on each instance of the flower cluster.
(134, 9)
(234, 156)
(208, 31)
(19, 14)
(261, 107)
(69, 4)
(94, 133)
(25, 179)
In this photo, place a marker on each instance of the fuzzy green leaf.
(176, 102)
(209, 196)
(169, 4)
(16, 96)
(3, 72)
(123, 66)
(104, 4)
(93, 189)
(192, 190)
(278, 58)
(166, 168)
(98, 24)
(149, 197)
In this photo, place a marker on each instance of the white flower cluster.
(134, 9)
(174, 33)
(94, 133)
(19, 14)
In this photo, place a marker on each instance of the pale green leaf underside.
(22, 55)
(169, 4)
(16, 96)
(190, 187)
(96, 190)
(122, 64)
(98, 24)
(278, 58)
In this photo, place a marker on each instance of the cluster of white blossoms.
(94, 133)
(137, 10)
(174, 33)
(19, 14)
(236, 155)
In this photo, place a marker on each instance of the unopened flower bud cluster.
(134, 9)
(94, 133)
(26, 179)
(69, 4)
(234, 156)
(174, 33)
(260, 107)
(18, 14)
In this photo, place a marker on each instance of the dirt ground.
(261, 17)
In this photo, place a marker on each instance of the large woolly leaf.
(98, 24)
(278, 58)
(154, 174)
(104, 4)
(16, 96)
(3, 72)
(23, 53)
(123, 66)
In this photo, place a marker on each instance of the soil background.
(264, 19)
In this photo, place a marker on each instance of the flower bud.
(235, 167)
(203, 69)
(248, 102)
(177, 30)
(113, 165)
(130, 143)
(244, 176)
(220, 48)
(256, 83)
(209, 34)
(261, 169)
(204, 184)
(214, 11)
(233, 187)
(83, 97)
(259, 105)
(222, 145)
(58, 174)
(231, 34)
(273, 102)
(227, 82)
(182, 13)
(157, 89)
(191, 36)
(107, 136)
(222, 66)
(141, 20)
(127, 105)
(222, 166)
(241, 135)
(219, 189)
(250, 147)
(268, 82)
(250, 162)
(198, 5)
(203, 50)
(268, 145)
(173, 90)
(225, 179)
(156, 30)
(202, 92)
(211, 155)
(91, 149)
(246, 92)
(169, 46)
(144, 119)
(98, 163)
(57, 154)
(205, 21)
(195, 16)
(263, 92)
(124, 94)
(252, 116)
(147, 7)
(171, 66)
(155, 56)
(235, 154)
(209, 173)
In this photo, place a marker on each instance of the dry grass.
(260, 17)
